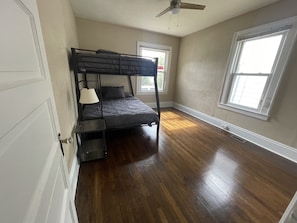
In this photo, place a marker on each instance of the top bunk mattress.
(104, 62)
(122, 113)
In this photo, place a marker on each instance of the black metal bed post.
(101, 97)
(157, 96)
(130, 85)
(73, 64)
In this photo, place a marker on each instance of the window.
(256, 63)
(163, 53)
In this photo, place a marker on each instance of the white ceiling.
(141, 13)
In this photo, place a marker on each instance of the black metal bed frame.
(84, 62)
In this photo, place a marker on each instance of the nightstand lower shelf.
(93, 149)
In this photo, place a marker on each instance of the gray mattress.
(122, 113)
(105, 63)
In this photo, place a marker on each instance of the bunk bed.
(118, 108)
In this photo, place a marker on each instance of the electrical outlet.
(224, 127)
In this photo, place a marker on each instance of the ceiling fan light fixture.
(175, 11)
(176, 5)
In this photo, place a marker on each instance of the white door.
(34, 185)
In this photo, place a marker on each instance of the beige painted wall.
(201, 70)
(59, 33)
(97, 35)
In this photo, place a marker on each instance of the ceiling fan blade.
(163, 12)
(191, 6)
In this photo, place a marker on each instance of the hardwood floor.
(196, 173)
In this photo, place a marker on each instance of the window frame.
(157, 47)
(286, 26)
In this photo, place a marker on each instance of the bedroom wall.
(97, 35)
(59, 33)
(201, 69)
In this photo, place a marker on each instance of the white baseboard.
(290, 214)
(73, 176)
(278, 148)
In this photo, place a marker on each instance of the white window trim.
(277, 74)
(167, 76)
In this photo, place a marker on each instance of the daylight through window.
(256, 63)
(146, 84)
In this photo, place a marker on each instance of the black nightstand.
(90, 135)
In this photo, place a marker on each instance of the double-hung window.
(256, 63)
(163, 53)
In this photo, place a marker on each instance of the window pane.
(154, 53)
(160, 80)
(147, 83)
(247, 90)
(258, 55)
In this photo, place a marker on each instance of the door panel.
(20, 153)
(34, 180)
(21, 61)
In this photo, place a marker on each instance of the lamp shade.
(88, 96)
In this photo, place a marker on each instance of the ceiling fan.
(176, 5)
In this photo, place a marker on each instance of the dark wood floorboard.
(195, 173)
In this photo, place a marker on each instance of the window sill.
(245, 112)
(150, 92)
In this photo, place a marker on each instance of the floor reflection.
(218, 182)
(175, 122)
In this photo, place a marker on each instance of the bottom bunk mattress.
(122, 113)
